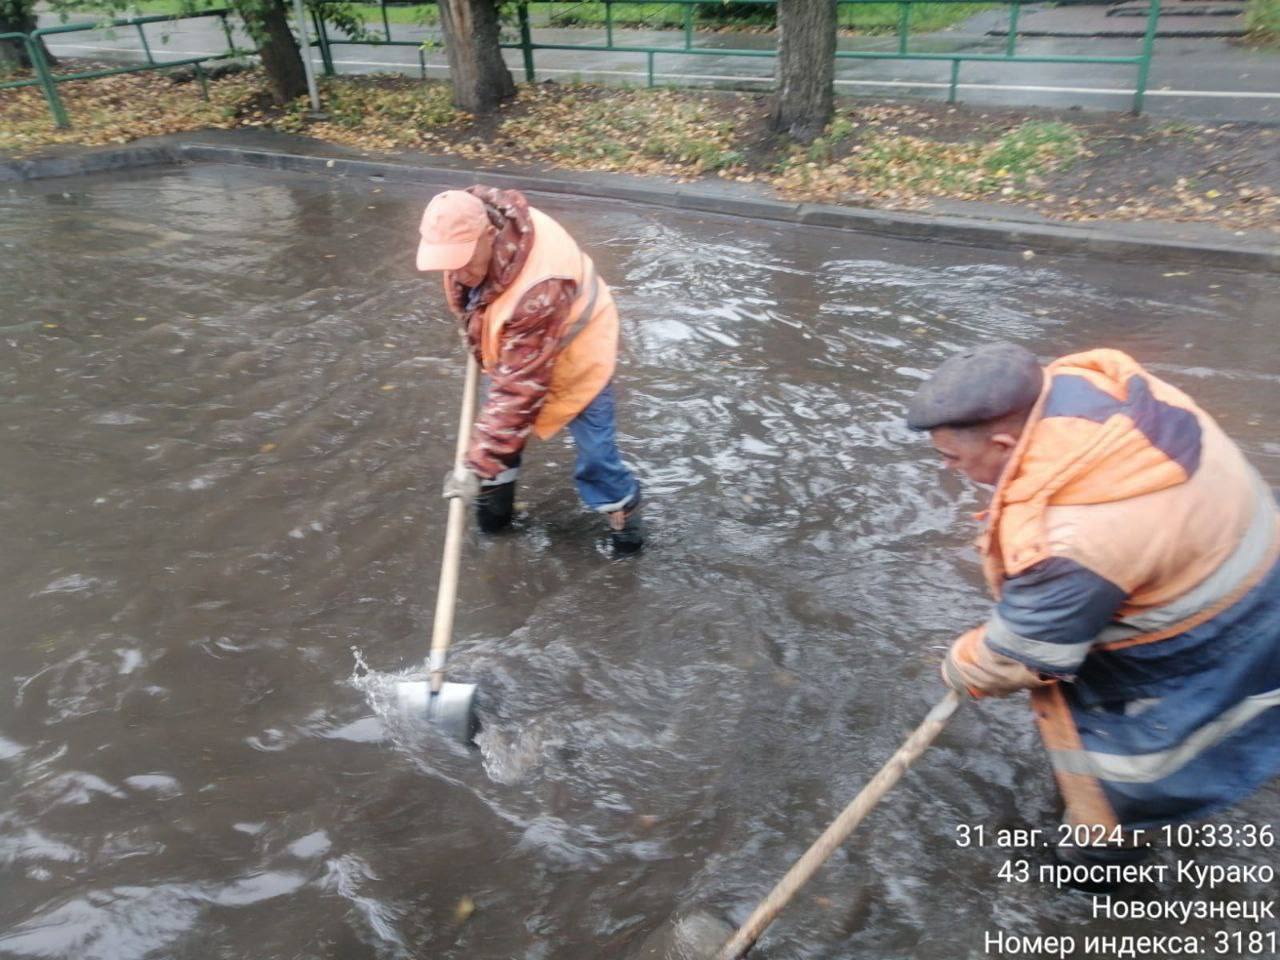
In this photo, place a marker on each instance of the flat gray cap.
(977, 385)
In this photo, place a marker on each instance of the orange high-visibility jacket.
(1133, 554)
(588, 339)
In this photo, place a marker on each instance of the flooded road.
(226, 400)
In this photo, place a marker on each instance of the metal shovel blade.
(453, 709)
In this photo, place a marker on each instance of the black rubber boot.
(1090, 865)
(494, 507)
(625, 532)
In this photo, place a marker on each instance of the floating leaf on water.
(463, 911)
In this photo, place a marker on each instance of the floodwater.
(226, 400)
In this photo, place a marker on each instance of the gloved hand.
(461, 483)
(973, 668)
(961, 662)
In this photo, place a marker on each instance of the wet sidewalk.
(1178, 18)
(1191, 77)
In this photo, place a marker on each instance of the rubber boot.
(1096, 860)
(494, 507)
(625, 532)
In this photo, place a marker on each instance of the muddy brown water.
(225, 403)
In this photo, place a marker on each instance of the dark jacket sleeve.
(1043, 627)
(1049, 616)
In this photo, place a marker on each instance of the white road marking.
(929, 84)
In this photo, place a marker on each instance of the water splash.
(510, 756)
(508, 753)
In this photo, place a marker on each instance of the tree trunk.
(480, 76)
(268, 24)
(806, 68)
(18, 17)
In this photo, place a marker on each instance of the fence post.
(386, 24)
(904, 25)
(1013, 29)
(142, 35)
(35, 50)
(322, 38)
(608, 23)
(1148, 48)
(526, 42)
(688, 26)
(955, 78)
(226, 29)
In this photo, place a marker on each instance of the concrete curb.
(1107, 242)
(96, 161)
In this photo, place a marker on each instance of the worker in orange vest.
(544, 328)
(1134, 557)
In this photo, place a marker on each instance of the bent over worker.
(544, 328)
(1132, 551)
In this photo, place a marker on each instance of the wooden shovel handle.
(839, 831)
(447, 592)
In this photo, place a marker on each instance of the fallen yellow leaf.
(465, 908)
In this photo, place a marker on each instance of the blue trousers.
(604, 482)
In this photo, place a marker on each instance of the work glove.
(461, 483)
(973, 669)
(954, 679)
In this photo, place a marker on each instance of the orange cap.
(451, 225)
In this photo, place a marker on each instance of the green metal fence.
(48, 80)
(688, 46)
